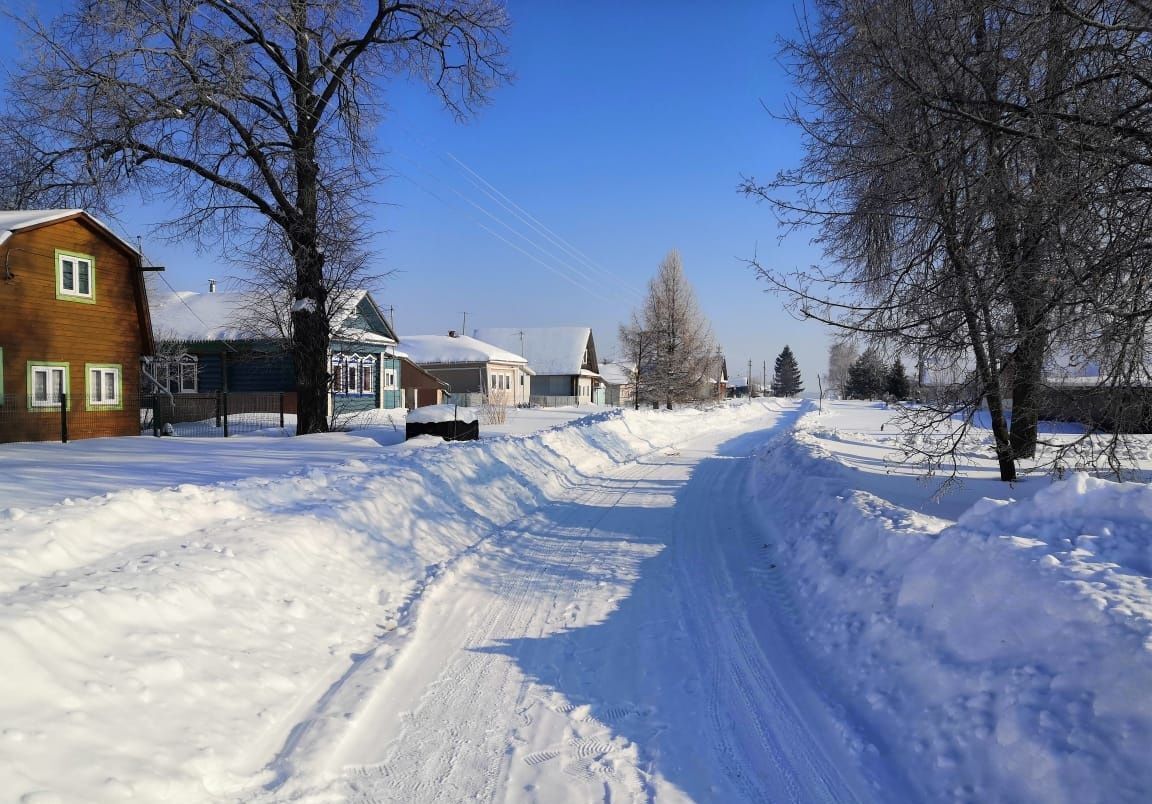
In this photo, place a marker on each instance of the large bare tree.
(256, 118)
(669, 338)
(977, 189)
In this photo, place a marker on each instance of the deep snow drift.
(1003, 657)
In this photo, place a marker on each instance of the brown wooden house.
(420, 388)
(73, 320)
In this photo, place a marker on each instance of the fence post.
(63, 417)
(224, 399)
(281, 410)
(156, 415)
(218, 395)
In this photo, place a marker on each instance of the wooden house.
(619, 380)
(420, 388)
(471, 368)
(74, 321)
(563, 361)
(236, 342)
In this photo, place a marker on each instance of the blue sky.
(625, 134)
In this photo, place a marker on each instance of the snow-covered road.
(621, 643)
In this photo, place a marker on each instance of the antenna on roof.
(464, 325)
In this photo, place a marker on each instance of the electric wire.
(588, 283)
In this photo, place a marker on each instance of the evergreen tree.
(866, 376)
(786, 378)
(896, 382)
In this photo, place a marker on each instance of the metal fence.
(556, 401)
(65, 418)
(211, 415)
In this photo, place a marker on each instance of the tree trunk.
(310, 340)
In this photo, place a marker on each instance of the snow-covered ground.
(752, 603)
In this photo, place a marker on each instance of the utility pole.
(749, 379)
(763, 376)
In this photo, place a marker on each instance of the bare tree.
(669, 337)
(255, 117)
(841, 355)
(968, 187)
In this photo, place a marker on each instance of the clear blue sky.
(625, 134)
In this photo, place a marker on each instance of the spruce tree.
(866, 376)
(896, 382)
(786, 377)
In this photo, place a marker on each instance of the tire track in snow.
(450, 761)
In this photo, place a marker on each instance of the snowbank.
(1006, 656)
(160, 644)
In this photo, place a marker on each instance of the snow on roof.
(616, 373)
(228, 316)
(189, 316)
(12, 221)
(426, 349)
(549, 350)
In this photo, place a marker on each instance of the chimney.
(211, 285)
(452, 334)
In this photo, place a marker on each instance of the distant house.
(715, 382)
(472, 367)
(232, 342)
(74, 321)
(563, 360)
(619, 378)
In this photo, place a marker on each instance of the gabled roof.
(447, 349)
(12, 221)
(241, 316)
(616, 373)
(549, 350)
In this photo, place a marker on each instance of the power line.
(587, 280)
(495, 194)
(508, 242)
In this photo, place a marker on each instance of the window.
(75, 277)
(390, 379)
(179, 375)
(353, 374)
(46, 383)
(103, 387)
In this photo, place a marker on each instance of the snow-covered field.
(752, 603)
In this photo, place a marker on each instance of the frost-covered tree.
(669, 337)
(841, 355)
(977, 174)
(255, 119)
(786, 379)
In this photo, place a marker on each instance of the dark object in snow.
(450, 430)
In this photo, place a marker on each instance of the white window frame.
(47, 369)
(73, 293)
(95, 389)
(183, 372)
(348, 374)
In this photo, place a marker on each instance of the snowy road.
(619, 644)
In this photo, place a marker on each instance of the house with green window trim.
(237, 342)
(74, 322)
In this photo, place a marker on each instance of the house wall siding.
(36, 326)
